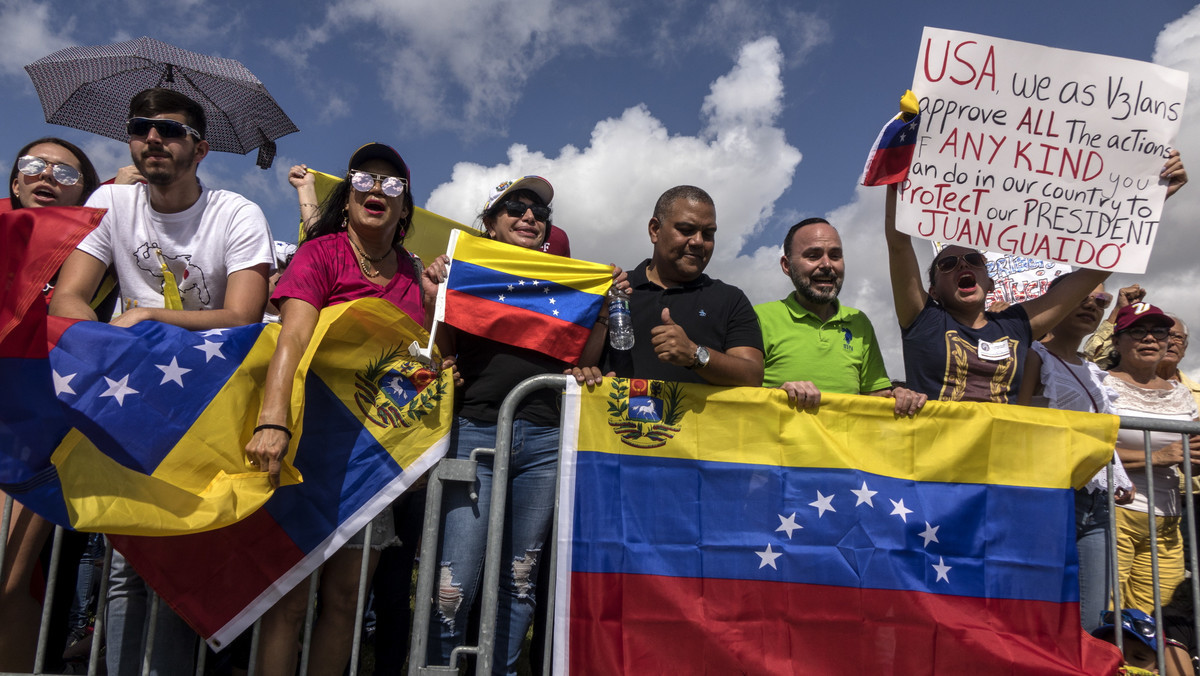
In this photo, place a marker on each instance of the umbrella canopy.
(89, 88)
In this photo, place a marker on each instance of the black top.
(942, 359)
(714, 314)
(490, 370)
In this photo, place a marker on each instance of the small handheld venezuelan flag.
(522, 297)
(893, 150)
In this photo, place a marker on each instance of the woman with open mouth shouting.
(353, 249)
(954, 349)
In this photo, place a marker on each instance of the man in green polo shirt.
(813, 343)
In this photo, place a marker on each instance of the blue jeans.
(174, 651)
(1092, 538)
(532, 471)
(85, 582)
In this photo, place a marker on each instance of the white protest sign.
(1016, 279)
(1038, 152)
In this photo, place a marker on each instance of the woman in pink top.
(353, 249)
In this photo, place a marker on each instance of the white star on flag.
(941, 568)
(823, 503)
(768, 557)
(172, 372)
(117, 389)
(898, 509)
(545, 289)
(930, 534)
(789, 524)
(556, 313)
(510, 287)
(521, 282)
(535, 282)
(501, 298)
(62, 384)
(214, 332)
(864, 495)
(210, 350)
(552, 301)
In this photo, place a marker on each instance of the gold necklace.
(363, 258)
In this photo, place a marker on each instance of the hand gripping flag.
(707, 530)
(522, 297)
(892, 153)
(372, 420)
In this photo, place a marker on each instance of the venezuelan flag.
(722, 531)
(372, 421)
(892, 151)
(522, 297)
(118, 430)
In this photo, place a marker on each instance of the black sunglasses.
(517, 209)
(948, 263)
(1140, 332)
(141, 126)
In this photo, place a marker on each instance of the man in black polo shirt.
(688, 327)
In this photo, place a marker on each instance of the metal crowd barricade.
(455, 469)
(464, 470)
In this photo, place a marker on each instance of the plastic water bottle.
(620, 325)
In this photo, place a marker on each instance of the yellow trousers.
(1133, 558)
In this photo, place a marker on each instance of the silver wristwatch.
(699, 358)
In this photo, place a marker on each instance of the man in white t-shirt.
(183, 255)
(215, 244)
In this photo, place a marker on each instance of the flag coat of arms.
(522, 297)
(707, 530)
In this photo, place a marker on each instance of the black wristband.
(271, 426)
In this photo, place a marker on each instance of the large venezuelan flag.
(522, 297)
(373, 420)
(721, 531)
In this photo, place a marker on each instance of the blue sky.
(771, 106)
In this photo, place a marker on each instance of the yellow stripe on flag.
(593, 278)
(945, 442)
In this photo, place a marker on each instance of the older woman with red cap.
(1140, 341)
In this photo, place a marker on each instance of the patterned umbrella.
(89, 88)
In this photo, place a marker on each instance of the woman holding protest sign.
(954, 349)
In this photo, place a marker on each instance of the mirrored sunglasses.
(1160, 333)
(65, 174)
(948, 263)
(517, 209)
(1102, 300)
(363, 181)
(141, 126)
(1141, 626)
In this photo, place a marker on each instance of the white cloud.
(1173, 276)
(479, 51)
(605, 192)
(28, 32)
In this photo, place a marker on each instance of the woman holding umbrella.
(353, 249)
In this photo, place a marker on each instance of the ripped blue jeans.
(532, 471)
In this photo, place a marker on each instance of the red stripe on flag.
(648, 624)
(516, 326)
(33, 244)
(889, 165)
(209, 591)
